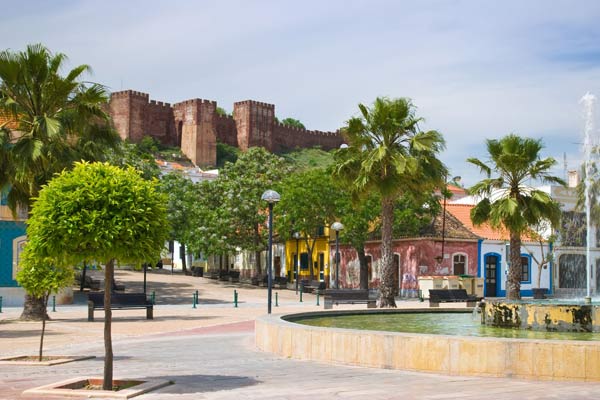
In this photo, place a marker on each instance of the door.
(322, 267)
(491, 273)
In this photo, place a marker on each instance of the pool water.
(455, 324)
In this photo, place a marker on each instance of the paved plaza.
(209, 352)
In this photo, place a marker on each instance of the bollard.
(53, 303)
(0, 304)
(235, 298)
(317, 298)
(197, 298)
(153, 298)
(276, 299)
(194, 300)
(301, 294)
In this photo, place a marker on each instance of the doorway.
(492, 262)
(397, 274)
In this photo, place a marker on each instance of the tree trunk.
(513, 281)
(364, 267)
(45, 300)
(183, 260)
(34, 309)
(107, 382)
(386, 286)
(82, 284)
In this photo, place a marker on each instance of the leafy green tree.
(293, 123)
(149, 145)
(241, 185)
(226, 153)
(307, 205)
(133, 155)
(181, 195)
(98, 212)
(55, 120)
(388, 154)
(208, 221)
(507, 199)
(40, 277)
(222, 112)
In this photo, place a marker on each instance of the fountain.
(529, 350)
(572, 316)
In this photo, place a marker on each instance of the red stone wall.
(226, 130)
(254, 122)
(286, 137)
(196, 121)
(417, 258)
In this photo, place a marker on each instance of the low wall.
(452, 355)
(12, 296)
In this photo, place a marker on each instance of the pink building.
(446, 247)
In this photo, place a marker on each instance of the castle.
(196, 127)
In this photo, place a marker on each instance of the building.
(445, 247)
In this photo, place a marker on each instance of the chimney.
(573, 179)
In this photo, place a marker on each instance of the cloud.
(475, 70)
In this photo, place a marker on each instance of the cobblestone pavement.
(209, 353)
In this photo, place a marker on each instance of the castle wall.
(286, 137)
(195, 126)
(226, 130)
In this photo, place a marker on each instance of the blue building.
(12, 241)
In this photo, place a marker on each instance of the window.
(525, 269)
(303, 260)
(459, 264)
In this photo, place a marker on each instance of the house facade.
(445, 247)
(12, 242)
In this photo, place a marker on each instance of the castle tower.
(196, 130)
(254, 121)
(127, 109)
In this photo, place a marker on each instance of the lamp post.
(297, 266)
(337, 227)
(271, 197)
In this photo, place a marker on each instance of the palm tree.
(508, 202)
(387, 153)
(54, 121)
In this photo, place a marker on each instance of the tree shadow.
(203, 383)
(24, 333)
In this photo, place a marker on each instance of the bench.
(312, 286)
(280, 282)
(437, 296)
(347, 296)
(120, 301)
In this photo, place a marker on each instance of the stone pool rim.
(546, 359)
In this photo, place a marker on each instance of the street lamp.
(337, 227)
(297, 237)
(271, 197)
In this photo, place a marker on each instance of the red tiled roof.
(462, 212)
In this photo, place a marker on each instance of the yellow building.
(320, 262)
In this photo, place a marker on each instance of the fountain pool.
(450, 352)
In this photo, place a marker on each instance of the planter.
(539, 293)
(88, 388)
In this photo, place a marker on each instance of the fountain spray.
(588, 101)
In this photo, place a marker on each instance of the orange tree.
(98, 212)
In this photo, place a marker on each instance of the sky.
(475, 70)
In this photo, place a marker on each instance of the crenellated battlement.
(254, 103)
(196, 101)
(159, 104)
(130, 93)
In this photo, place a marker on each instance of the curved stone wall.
(452, 355)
